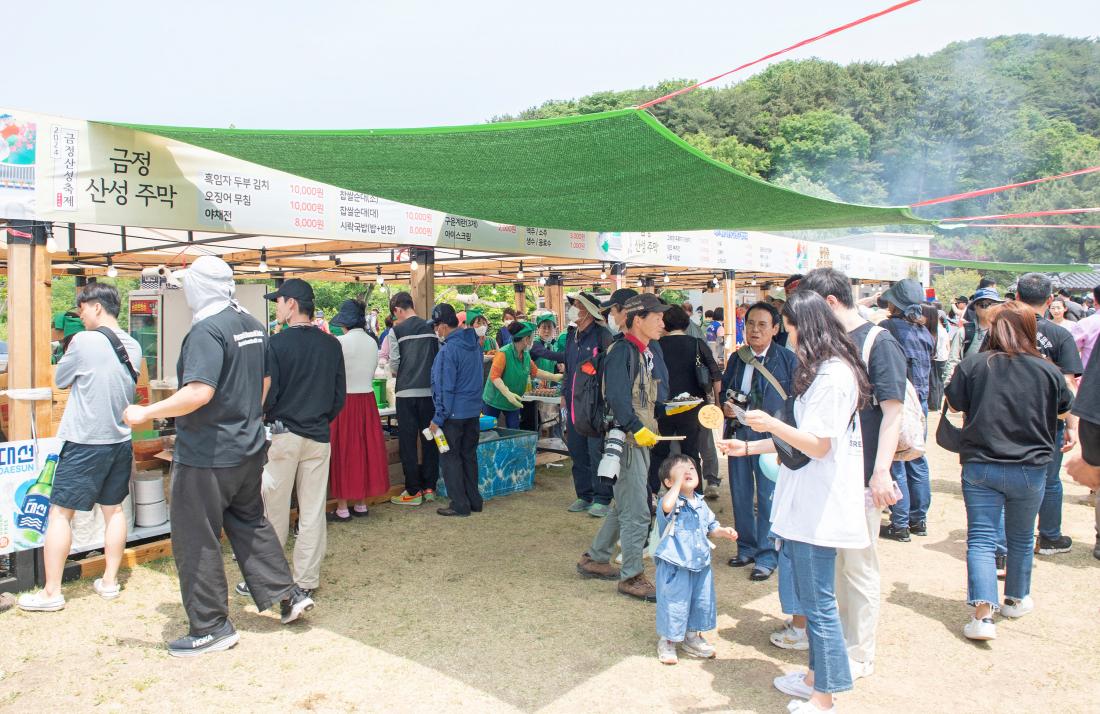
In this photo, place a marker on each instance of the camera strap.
(746, 356)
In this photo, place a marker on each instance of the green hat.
(68, 323)
(520, 330)
(546, 317)
(472, 313)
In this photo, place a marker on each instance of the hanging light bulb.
(542, 280)
(752, 282)
(379, 278)
(112, 271)
(603, 272)
(51, 244)
(519, 273)
(640, 282)
(666, 277)
(413, 265)
(263, 260)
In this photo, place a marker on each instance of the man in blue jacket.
(745, 385)
(456, 392)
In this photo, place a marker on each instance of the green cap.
(68, 323)
(472, 313)
(524, 329)
(546, 317)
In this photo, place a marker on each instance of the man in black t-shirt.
(219, 456)
(304, 392)
(1085, 467)
(857, 576)
(1056, 344)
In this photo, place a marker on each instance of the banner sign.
(24, 502)
(93, 173)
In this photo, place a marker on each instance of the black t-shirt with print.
(1012, 406)
(226, 351)
(1057, 344)
(887, 369)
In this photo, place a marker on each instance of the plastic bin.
(380, 393)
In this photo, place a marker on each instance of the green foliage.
(953, 283)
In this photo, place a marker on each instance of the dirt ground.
(486, 614)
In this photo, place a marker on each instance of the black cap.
(619, 297)
(444, 314)
(645, 301)
(295, 289)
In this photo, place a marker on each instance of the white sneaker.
(106, 592)
(666, 651)
(790, 638)
(983, 629)
(794, 684)
(696, 646)
(799, 707)
(40, 602)
(860, 669)
(1017, 608)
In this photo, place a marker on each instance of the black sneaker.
(192, 646)
(1053, 547)
(918, 529)
(300, 601)
(242, 589)
(335, 517)
(901, 535)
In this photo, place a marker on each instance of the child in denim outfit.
(685, 583)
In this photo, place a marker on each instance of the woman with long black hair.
(819, 506)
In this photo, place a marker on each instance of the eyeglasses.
(984, 304)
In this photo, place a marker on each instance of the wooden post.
(521, 298)
(29, 283)
(555, 298)
(422, 281)
(729, 306)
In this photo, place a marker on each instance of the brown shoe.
(592, 569)
(638, 587)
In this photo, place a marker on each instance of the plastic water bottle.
(31, 521)
(438, 438)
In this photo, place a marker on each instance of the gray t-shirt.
(101, 388)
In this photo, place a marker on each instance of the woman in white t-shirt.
(820, 506)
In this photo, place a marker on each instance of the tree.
(829, 149)
(953, 283)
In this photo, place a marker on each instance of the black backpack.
(588, 410)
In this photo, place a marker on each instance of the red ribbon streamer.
(1031, 214)
(807, 41)
(995, 189)
(1043, 226)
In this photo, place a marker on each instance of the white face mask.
(572, 314)
(612, 324)
(481, 330)
(508, 321)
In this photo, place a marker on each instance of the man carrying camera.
(630, 390)
(746, 385)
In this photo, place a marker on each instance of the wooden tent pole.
(29, 283)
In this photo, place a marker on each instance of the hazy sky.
(344, 64)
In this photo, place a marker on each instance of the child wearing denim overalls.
(685, 583)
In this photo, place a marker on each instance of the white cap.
(205, 266)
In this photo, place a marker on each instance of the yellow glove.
(645, 438)
(513, 399)
(556, 378)
(679, 409)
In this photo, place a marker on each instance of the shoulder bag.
(789, 456)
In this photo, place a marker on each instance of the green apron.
(516, 376)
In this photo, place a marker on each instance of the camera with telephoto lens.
(740, 400)
(612, 455)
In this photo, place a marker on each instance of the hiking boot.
(1062, 544)
(599, 510)
(579, 506)
(638, 587)
(406, 500)
(901, 535)
(192, 646)
(710, 492)
(918, 529)
(300, 601)
(592, 569)
(428, 495)
(666, 651)
(696, 646)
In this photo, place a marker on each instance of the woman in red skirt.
(357, 468)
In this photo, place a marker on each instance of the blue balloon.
(769, 466)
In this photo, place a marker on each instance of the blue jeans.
(814, 571)
(511, 419)
(747, 482)
(685, 601)
(788, 600)
(585, 453)
(992, 492)
(1050, 512)
(915, 485)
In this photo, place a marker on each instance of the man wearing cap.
(456, 393)
(218, 461)
(971, 338)
(588, 338)
(630, 390)
(909, 514)
(413, 347)
(306, 390)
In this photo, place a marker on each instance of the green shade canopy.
(612, 171)
(1006, 267)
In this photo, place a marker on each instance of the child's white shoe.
(666, 651)
(696, 646)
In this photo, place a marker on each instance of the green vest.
(516, 375)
